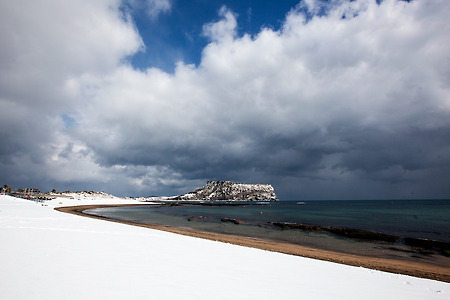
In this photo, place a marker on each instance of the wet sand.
(416, 269)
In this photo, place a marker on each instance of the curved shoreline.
(416, 269)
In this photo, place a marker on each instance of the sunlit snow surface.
(46, 254)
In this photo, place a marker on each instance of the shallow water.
(426, 219)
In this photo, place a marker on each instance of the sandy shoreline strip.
(416, 269)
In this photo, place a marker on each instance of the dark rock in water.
(296, 226)
(422, 246)
(443, 247)
(342, 231)
(232, 221)
(230, 191)
(363, 234)
(196, 218)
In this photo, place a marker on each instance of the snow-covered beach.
(46, 254)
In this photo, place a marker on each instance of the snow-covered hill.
(85, 195)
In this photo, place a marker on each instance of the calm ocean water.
(426, 219)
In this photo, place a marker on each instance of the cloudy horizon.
(322, 99)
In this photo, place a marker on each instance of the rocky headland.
(229, 191)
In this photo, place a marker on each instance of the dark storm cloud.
(411, 149)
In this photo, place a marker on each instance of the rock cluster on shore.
(230, 191)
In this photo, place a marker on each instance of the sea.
(410, 220)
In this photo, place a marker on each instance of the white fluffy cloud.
(48, 47)
(353, 103)
(153, 7)
(224, 29)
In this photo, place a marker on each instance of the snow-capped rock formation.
(230, 191)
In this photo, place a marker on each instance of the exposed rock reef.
(234, 221)
(341, 231)
(230, 191)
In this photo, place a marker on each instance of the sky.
(322, 99)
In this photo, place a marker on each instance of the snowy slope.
(46, 254)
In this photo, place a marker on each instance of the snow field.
(46, 254)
